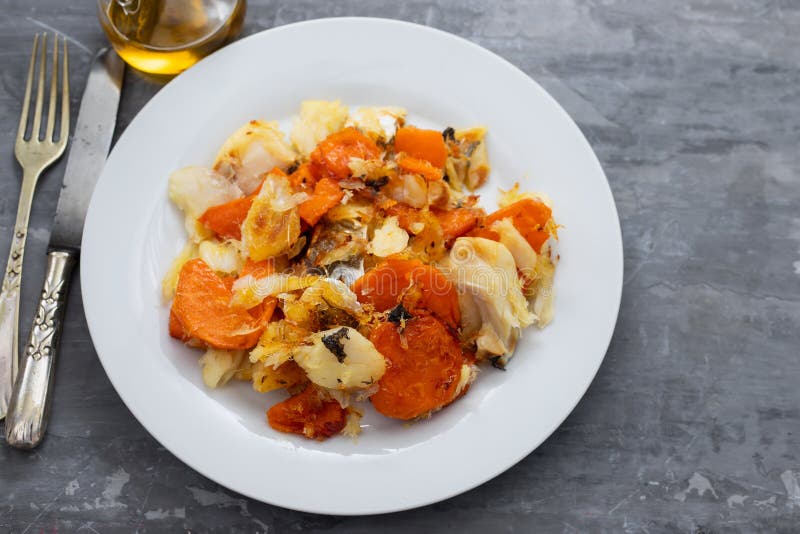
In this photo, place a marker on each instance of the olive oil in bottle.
(169, 36)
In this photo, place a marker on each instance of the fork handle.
(10, 293)
(29, 409)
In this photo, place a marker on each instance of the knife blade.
(90, 143)
(29, 407)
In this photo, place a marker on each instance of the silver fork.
(34, 155)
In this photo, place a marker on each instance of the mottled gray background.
(693, 423)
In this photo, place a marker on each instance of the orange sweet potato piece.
(302, 179)
(484, 232)
(176, 328)
(327, 194)
(421, 288)
(406, 216)
(529, 216)
(524, 210)
(457, 222)
(262, 312)
(202, 307)
(307, 414)
(226, 220)
(332, 155)
(422, 377)
(177, 331)
(259, 269)
(419, 166)
(422, 144)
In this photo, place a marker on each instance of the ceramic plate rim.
(96, 325)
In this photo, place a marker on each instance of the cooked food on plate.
(349, 263)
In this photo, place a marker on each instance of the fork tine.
(23, 118)
(37, 115)
(51, 105)
(62, 138)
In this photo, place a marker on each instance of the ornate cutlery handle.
(9, 295)
(9, 319)
(29, 408)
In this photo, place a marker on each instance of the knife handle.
(29, 409)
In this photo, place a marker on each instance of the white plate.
(132, 233)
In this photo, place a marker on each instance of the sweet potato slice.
(176, 329)
(202, 307)
(423, 144)
(226, 220)
(419, 166)
(408, 218)
(307, 414)
(258, 269)
(327, 194)
(424, 371)
(332, 156)
(421, 288)
(529, 216)
(457, 222)
(302, 179)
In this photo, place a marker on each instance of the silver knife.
(29, 407)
